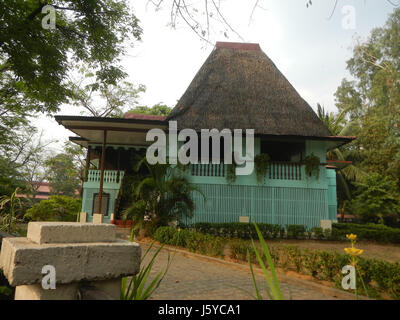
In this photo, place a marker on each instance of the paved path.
(191, 277)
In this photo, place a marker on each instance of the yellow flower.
(353, 251)
(351, 236)
(179, 229)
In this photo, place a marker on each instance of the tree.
(21, 161)
(338, 126)
(34, 62)
(63, 175)
(163, 195)
(376, 198)
(373, 98)
(101, 99)
(159, 109)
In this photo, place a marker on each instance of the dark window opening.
(284, 151)
(105, 200)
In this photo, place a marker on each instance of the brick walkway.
(191, 277)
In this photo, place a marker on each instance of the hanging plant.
(312, 163)
(231, 173)
(261, 162)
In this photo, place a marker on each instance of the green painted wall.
(304, 200)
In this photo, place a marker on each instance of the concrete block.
(326, 224)
(83, 217)
(244, 219)
(70, 232)
(36, 292)
(22, 260)
(97, 218)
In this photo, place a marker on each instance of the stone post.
(82, 254)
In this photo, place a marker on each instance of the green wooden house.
(238, 87)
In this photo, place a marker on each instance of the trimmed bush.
(56, 208)
(378, 276)
(192, 240)
(374, 232)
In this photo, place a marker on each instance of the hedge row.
(194, 241)
(269, 231)
(379, 233)
(375, 232)
(378, 276)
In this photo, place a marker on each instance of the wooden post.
(87, 164)
(103, 154)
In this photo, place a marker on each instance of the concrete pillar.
(82, 254)
(97, 218)
(83, 217)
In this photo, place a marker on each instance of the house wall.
(304, 201)
(87, 202)
(277, 201)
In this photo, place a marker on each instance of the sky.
(310, 46)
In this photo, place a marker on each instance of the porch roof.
(120, 131)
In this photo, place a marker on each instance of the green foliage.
(376, 197)
(163, 195)
(8, 209)
(192, 240)
(378, 276)
(372, 99)
(295, 231)
(135, 288)
(35, 63)
(312, 163)
(274, 291)
(159, 109)
(261, 162)
(63, 175)
(374, 232)
(231, 173)
(56, 208)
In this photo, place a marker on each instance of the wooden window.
(105, 200)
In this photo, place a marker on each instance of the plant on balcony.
(261, 162)
(231, 173)
(161, 196)
(312, 163)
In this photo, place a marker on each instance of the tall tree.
(373, 98)
(63, 175)
(34, 61)
(101, 99)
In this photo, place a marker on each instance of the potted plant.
(312, 163)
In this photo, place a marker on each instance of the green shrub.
(317, 233)
(56, 208)
(374, 232)
(192, 240)
(295, 231)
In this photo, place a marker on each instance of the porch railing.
(208, 170)
(110, 176)
(284, 171)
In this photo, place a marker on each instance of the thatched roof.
(239, 87)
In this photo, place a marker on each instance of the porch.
(112, 180)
